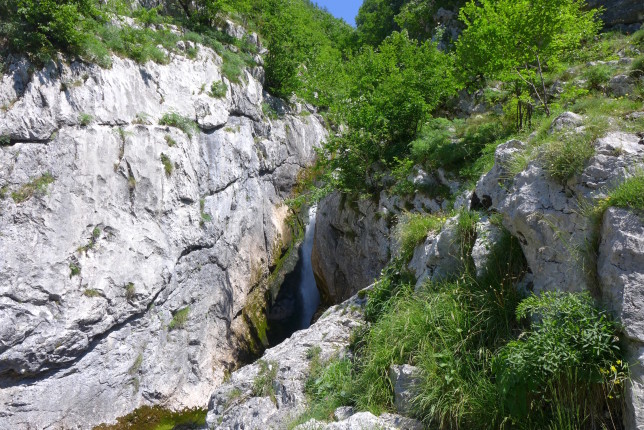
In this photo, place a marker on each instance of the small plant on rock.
(85, 119)
(179, 319)
(37, 186)
(263, 385)
(167, 164)
(130, 291)
(218, 89)
(183, 123)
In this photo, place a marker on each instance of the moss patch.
(158, 418)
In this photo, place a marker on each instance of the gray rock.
(343, 412)
(620, 267)
(364, 421)
(619, 11)
(233, 404)
(621, 85)
(404, 379)
(546, 217)
(487, 235)
(566, 120)
(351, 245)
(145, 246)
(439, 257)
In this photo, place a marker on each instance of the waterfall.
(298, 299)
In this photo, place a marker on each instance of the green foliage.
(412, 230)
(395, 279)
(328, 387)
(185, 124)
(232, 66)
(629, 194)
(515, 40)
(598, 76)
(566, 155)
(179, 319)
(205, 217)
(167, 164)
(570, 349)
(37, 186)
(89, 292)
(158, 418)
(637, 67)
(218, 89)
(5, 140)
(264, 382)
(85, 119)
(74, 270)
(169, 140)
(393, 91)
(40, 27)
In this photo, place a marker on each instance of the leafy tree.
(43, 26)
(391, 92)
(518, 39)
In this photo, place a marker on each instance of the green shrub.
(89, 292)
(567, 155)
(395, 279)
(629, 194)
(328, 387)
(637, 66)
(232, 67)
(598, 76)
(74, 270)
(264, 382)
(218, 89)
(179, 319)
(570, 354)
(5, 139)
(169, 140)
(205, 217)
(183, 123)
(36, 186)
(167, 164)
(85, 119)
(412, 229)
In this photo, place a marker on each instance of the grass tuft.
(179, 319)
(37, 186)
(183, 123)
(629, 194)
(167, 164)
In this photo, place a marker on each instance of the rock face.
(404, 378)
(353, 240)
(547, 217)
(239, 404)
(621, 271)
(618, 12)
(350, 248)
(127, 249)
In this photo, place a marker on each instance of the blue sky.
(346, 9)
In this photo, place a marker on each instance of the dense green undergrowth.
(488, 358)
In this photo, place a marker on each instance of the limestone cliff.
(127, 248)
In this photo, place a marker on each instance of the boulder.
(567, 120)
(404, 379)
(363, 421)
(546, 216)
(621, 85)
(235, 404)
(620, 268)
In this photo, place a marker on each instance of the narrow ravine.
(298, 298)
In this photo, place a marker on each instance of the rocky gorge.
(151, 254)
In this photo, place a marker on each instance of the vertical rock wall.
(128, 249)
